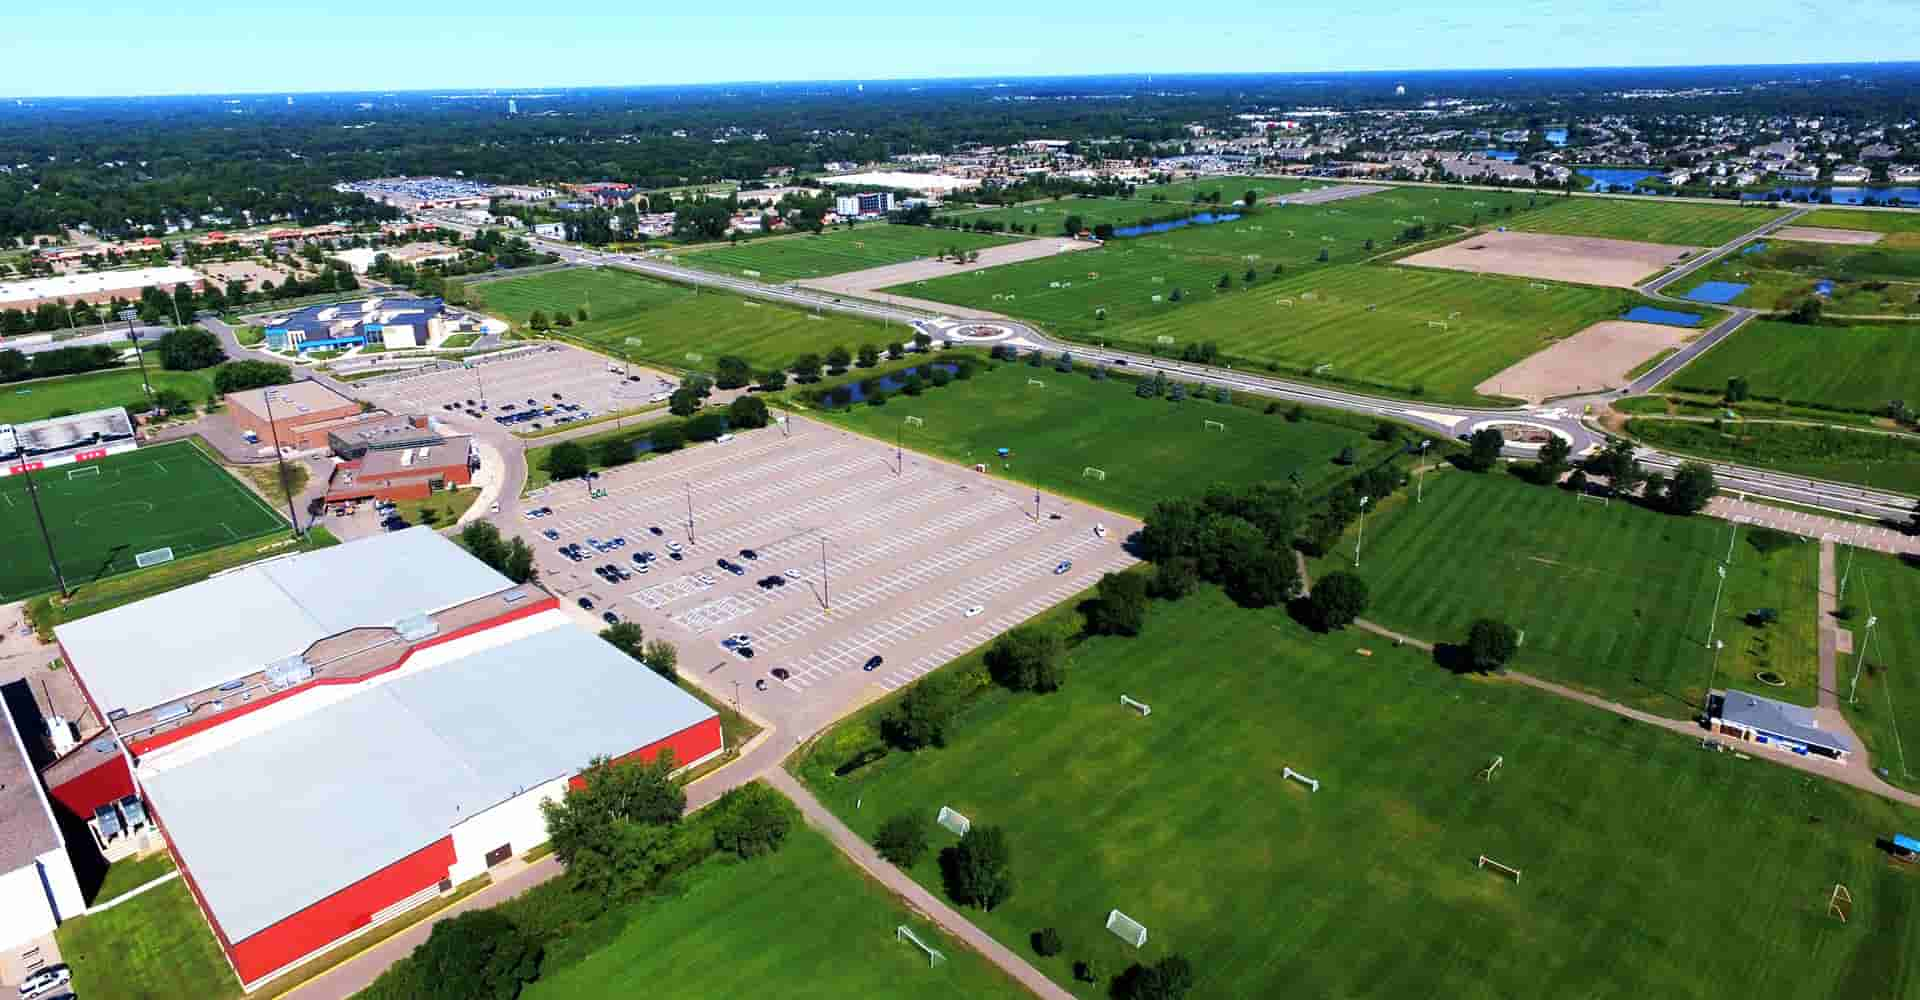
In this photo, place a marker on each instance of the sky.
(84, 48)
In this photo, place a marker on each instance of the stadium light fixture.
(1715, 618)
(1861, 660)
(33, 493)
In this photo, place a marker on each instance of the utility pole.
(690, 538)
(280, 458)
(1862, 659)
(1036, 505)
(898, 461)
(33, 492)
(826, 594)
(1715, 619)
(1712, 671)
(1362, 533)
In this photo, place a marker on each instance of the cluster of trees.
(189, 348)
(1238, 537)
(16, 366)
(575, 459)
(1343, 505)
(239, 376)
(512, 558)
(659, 655)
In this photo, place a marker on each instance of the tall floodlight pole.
(1712, 670)
(1843, 576)
(280, 458)
(899, 460)
(1036, 506)
(1420, 480)
(1862, 659)
(826, 593)
(1715, 619)
(139, 355)
(1731, 535)
(33, 492)
(1362, 533)
(689, 513)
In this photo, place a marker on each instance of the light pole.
(1707, 698)
(1362, 533)
(33, 493)
(1731, 535)
(139, 355)
(899, 461)
(690, 538)
(280, 459)
(1862, 659)
(1420, 477)
(1715, 618)
(1843, 576)
(826, 593)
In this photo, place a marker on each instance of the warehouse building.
(299, 415)
(330, 739)
(96, 286)
(37, 885)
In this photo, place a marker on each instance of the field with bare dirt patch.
(1585, 260)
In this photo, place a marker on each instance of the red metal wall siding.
(106, 782)
(149, 744)
(341, 913)
(688, 745)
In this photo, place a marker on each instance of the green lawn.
(447, 506)
(1614, 599)
(1648, 220)
(1867, 281)
(1650, 868)
(1048, 217)
(155, 946)
(801, 923)
(836, 251)
(38, 400)
(1885, 710)
(131, 873)
(1905, 226)
(1886, 461)
(1837, 367)
(1150, 449)
(163, 495)
(646, 320)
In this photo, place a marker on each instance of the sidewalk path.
(917, 897)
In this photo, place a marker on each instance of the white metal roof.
(98, 283)
(150, 652)
(279, 821)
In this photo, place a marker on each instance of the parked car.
(873, 663)
(586, 603)
(655, 529)
(46, 979)
(673, 546)
(746, 652)
(552, 535)
(1065, 564)
(780, 673)
(975, 610)
(610, 618)
(675, 556)
(749, 554)
(742, 638)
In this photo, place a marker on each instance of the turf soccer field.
(646, 320)
(801, 922)
(1677, 222)
(1150, 449)
(103, 513)
(1614, 599)
(1844, 367)
(1648, 866)
(837, 251)
(1885, 709)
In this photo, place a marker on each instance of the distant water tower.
(1399, 90)
(513, 106)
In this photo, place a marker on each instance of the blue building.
(386, 323)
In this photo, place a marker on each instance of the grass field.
(1647, 220)
(1633, 843)
(1839, 367)
(1871, 280)
(128, 874)
(801, 923)
(155, 946)
(836, 251)
(670, 321)
(1885, 710)
(1614, 599)
(1150, 449)
(22, 402)
(1048, 217)
(1903, 226)
(164, 495)
(1886, 461)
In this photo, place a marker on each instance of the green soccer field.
(1047, 217)
(1885, 707)
(802, 923)
(1648, 220)
(96, 390)
(1614, 599)
(1649, 868)
(1149, 449)
(103, 513)
(836, 251)
(670, 321)
(1841, 367)
(1902, 227)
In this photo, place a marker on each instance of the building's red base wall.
(108, 781)
(341, 913)
(688, 745)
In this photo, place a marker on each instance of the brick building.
(304, 413)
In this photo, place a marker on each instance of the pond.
(1203, 219)
(1616, 178)
(1907, 195)
(888, 383)
(1505, 155)
(1717, 292)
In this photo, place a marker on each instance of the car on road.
(586, 603)
(873, 664)
(46, 979)
(974, 610)
(780, 673)
(749, 554)
(1065, 564)
(609, 617)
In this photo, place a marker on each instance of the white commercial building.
(904, 181)
(96, 286)
(37, 885)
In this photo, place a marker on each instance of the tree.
(902, 839)
(922, 340)
(608, 793)
(751, 820)
(1047, 943)
(732, 373)
(1617, 463)
(1225, 282)
(773, 381)
(1323, 255)
(683, 402)
(747, 413)
(1337, 599)
(1690, 488)
(1175, 295)
(1483, 449)
(239, 376)
(662, 657)
(837, 360)
(613, 451)
(706, 427)
(538, 320)
(512, 558)
(478, 955)
(190, 348)
(920, 719)
(1173, 579)
(1171, 978)
(1119, 606)
(1736, 388)
(1073, 225)
(1553, 458)
(665, 439)
(896, 351)
(627, 637)
(568, 460)
(1249, 198)
(807, 367)
(1808, 311)
(869, 356)
(1028, 658)
(1490, 644)
(977, 870)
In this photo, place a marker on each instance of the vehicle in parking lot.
(552, 535)
(793, 574)
(675, 556)
(655, 529)
(625, 573)
(586, 603)
(745, 652)
(673, 546)
(610, 618)
(873, 663)
(749, 554)
(974, 610)
(742, 638)
(1065, 564)
(736, 569)
(780, 673)
(46, 979)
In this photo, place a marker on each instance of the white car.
(673, 546)
(975, 610)
(793, 574)
(46, 979)
(741, 639)
(496, 507)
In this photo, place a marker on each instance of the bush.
(752, 820)
(239, 376)
(706, 427)
(190, 348)
(920, 719)
(977, 871)
(1173, 579)
(1046, 942)
(1171, 978)
(902, 839)
(1765, 540)
(1120, 607)
(1337, 599)
(1491, 644)
(567, 460)
(747, 413)
(613, 452)
(477, 955)
(666, 439)
(1028, 658)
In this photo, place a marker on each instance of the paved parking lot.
(907, 552)
(580, 377)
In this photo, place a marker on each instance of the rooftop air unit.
(283, 674)
(414, 628)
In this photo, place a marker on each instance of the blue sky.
(84, 48)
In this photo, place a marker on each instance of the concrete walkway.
(917, 897)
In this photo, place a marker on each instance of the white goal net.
(1214, 425)
(1092, 473)
(154, 557)
(954, 821)
(916, 422)
(1126, 928)
(83, 472)
(1039, 382)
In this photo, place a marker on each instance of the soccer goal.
(954, 821)
(1840, 903)
(1599, 498)
(1507, 870)
(633, 342)
(1092, 473)
(1213, 425)
(696, 358)
(1139, 706)
(1288, 773)
(1039, 382)
(1487, 773)
(83, 472)
(1163, 340)
(154, 557)
(916, 422)
(1434, 324)
(1539, 286)
(1126, 928)
(1284, 302)
(905, 933)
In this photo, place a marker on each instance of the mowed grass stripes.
(1648, 220)
(836, 251)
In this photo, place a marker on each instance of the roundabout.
(1523, 435)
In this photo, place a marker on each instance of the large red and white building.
(329, 739)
